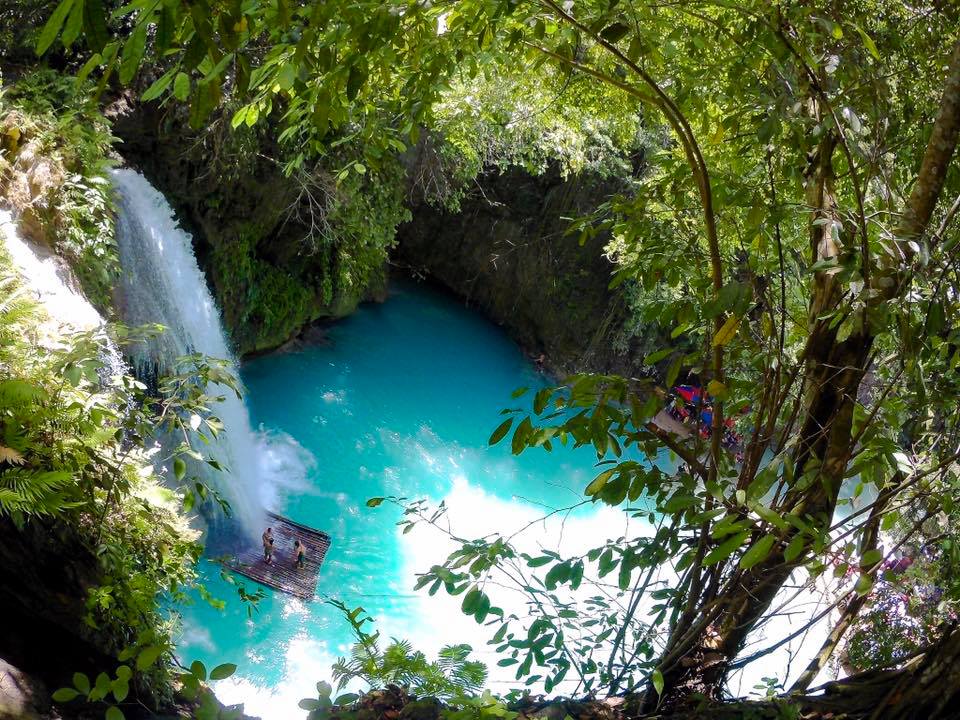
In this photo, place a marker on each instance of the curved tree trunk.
(699, 653)
(925, 688)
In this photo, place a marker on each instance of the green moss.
(364, 217)
(55, 153)
(263, 303)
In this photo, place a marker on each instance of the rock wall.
(235, 201)
(507, 252)
(49, 571)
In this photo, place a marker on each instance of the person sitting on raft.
(268, 545)
(301, 555)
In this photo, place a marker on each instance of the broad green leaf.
(868, 42)
(758, 552)
(121, 688)
(483, 607)
(673, 371)
(501, 431)
(657, 356)
(157, 88)
(148, 656)
(65, 695)
(770, 516)
(656, 679)
(53, 26)
(727, 331)
(81, 682)
(71, 30)
(539, 561)
(557, 575)
(88, 67)
(520, 436)
(223, 671)
(599, 482)
(726, 549)
(794, 548)
(95, 25)
(541, 399)
(471, 601)
(181, 86)
(133, 51)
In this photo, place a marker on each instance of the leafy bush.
(54, 153)
(74, 436)
(505, 119)
(452, 675)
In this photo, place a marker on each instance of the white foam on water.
(305, 661)
(47, 278)
(283, 467)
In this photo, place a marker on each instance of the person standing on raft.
(268, 545)
(301, 555)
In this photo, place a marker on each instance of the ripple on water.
(401, 401)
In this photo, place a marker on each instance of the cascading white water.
(162, 283)
(51, 283)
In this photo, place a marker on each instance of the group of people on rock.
(688, 408)
(299, 551)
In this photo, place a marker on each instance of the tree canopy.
(793, 235)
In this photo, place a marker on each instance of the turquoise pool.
(400, 401)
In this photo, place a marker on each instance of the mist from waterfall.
(161, 283)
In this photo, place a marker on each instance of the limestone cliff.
(507, 252)
(248, 232)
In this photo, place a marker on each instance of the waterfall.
(162, 283)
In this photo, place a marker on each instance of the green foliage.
(364, 215)
(349, 223)
(20, 25)
(500, 119)
(107, 690)
(916, 590)
(451, 675)
(67, 455)
(54, 153)
(579, 621)
(270, 300)
(788, 239)
(112, 693)
(73, 451)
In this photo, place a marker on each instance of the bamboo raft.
(281, 574)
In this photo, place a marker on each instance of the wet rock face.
(22, 697)
(236, 202)
(507, 252)
(49, 571)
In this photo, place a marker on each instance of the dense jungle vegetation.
(783, 228)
